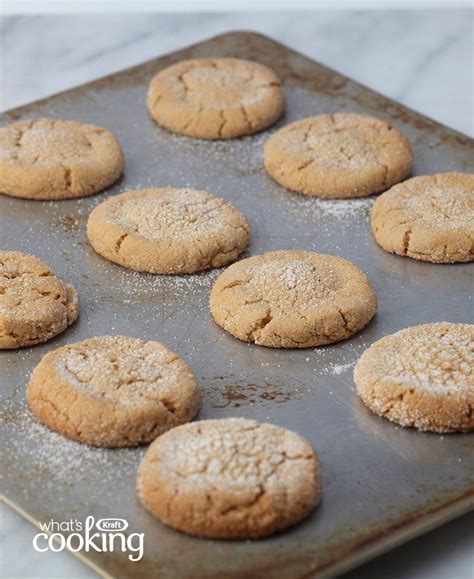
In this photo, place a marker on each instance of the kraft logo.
(111, 524)
(105, 535)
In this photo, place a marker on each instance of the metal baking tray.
(382, 484)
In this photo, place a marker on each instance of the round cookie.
(421, 377)
(338, 156)
(230, 479)
(292, 299)
(167, 231)
(53, 159)
(430, 218)
(113, 391)
(216, 98)
(35, 305)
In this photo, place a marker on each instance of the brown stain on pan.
(235, 394)
(67, 222)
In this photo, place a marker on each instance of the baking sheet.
(382, 484)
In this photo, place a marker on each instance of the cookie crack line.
(120, 240)
(67, 177)
(246, 117)
(221, 127)
(259, 326)
(406, 241)
(345, 322)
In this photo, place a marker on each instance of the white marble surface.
(423, 59)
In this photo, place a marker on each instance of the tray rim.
(373, 548)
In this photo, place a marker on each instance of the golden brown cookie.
(113, 391)
(430, 218)
(230, 479)
(422, 377)
(292, 299)
(35, 305)
(216, 98)
(168, 231)
(337, 156)
(52, 159)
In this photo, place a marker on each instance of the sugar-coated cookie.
(422, 377)
(168, 231)
(54, 159)
(337, 156)
(292, 299)
(430, 218)
(230, 479)
(216, 98)
(113, 391)
(35, 305)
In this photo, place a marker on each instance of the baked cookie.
(52, 159)
(230, 478)
(216, 98)
(35, 305)
(113, 391)
(167, 231)
(421, 377)
(338, 156)
(292, 299)
(430, 218)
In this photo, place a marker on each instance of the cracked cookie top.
(243, 478)
(54, 159)
(35, 305)
(421, 376)
(292, 299)
(123, 370)
(338, 156)
(138, 390)
(216, 98)
(168, 230)
(430, 218)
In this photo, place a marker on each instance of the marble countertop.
(420, 58)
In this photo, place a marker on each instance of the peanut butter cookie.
(338, 156)
(216, 98)
(35, 305)
(167, 231)
(430, 218)
(421, 377)
(113, 391)
(230, 479)
(292, 299)
(52, 159)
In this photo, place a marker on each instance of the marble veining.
(420, 58)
